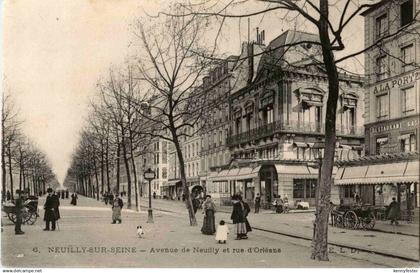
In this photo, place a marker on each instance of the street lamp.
(318, 148)
(149, 175)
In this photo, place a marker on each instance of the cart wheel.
(369, 221)
(31, 219)
(12, 217)
(350, 220)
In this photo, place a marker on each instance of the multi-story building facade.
(214, 150)
(392, 102)
(277, 106)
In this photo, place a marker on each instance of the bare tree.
(170, 72)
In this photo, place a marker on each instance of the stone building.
(277, 106)
(392, 104)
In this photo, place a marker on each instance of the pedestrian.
(154, 195)
(67, 194)
(18, 210)
(238, 218)
(222, 232)
(62, 194)
(209, 209)
(8, 195)
(73, 199)
(117, 205)
(257, 203)
(394, 211)
(49, 207)
(195, 204)
(110, 198)
(246, 211)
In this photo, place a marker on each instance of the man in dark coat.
(394, 211)
(257, 203)
(239, 217)
(51, 207)
(18, 209)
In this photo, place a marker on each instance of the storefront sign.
(401, 81)
(404, 124)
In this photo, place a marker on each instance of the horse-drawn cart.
(29, 211)
(355, 217)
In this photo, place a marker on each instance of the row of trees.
(20, 156)
(111, 138)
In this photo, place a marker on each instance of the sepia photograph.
(210, 134)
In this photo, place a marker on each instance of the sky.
(54, 52)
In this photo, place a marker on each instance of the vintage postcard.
(210, 134)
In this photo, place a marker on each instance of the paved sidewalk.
(301, 224)
(87, 239)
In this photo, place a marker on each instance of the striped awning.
(387, 173)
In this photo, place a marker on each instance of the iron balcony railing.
(292, 127)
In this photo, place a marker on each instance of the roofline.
(375, 6)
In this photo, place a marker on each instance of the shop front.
(375, 180)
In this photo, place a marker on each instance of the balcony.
(290, 127)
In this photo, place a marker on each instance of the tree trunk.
(133, 166)
(107, 166)
(3, 166)
(102, 167)
(97, 180)
(118, 164)
(188, 201)
(320, 246)
(10, 171)
(127, 169)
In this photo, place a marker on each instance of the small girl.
(222, 232)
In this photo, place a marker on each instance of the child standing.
(222, 232)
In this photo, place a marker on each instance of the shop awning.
(300, 144)
(395, 172)
(292, 169)
(172, 182)
(247, 173)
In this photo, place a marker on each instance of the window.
(381, 26)
(408, 100)
(164, 173)
(380, 143)
(406, 12)
(304, 188)
(349, 191)
(382, 106)
(164, 152)
(407, 57)
(381, 68)
(408, 143)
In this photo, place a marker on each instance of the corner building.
(277, 110)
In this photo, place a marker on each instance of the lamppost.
(318, 148)
(149, 175)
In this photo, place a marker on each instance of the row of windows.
(192, 169)
(192, 150)
(407, 143)
(406, 60)
(214, 139)
(407, 102)
(406, 17)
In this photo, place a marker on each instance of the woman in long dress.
(239, 213)
(209, 209)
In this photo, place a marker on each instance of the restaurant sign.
(404, 124)
(401, 81)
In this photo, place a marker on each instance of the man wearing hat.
(18, 208)
(50, 206)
